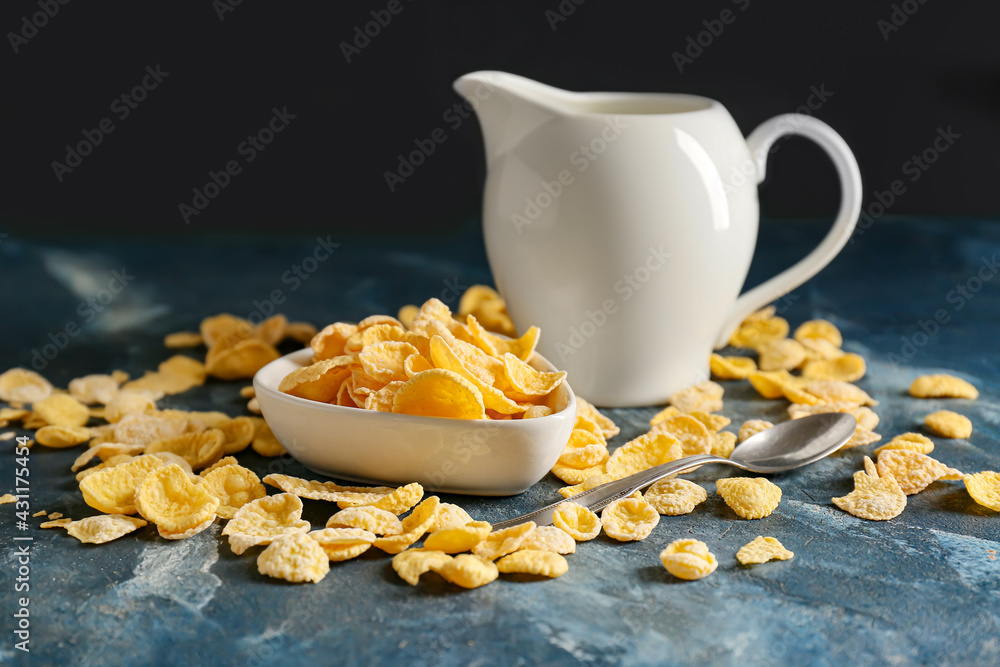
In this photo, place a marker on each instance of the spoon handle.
(601, 496)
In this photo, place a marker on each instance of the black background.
(890, 94)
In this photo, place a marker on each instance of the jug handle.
(760, 142)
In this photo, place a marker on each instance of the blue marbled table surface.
(918, 589)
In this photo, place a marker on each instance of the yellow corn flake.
(450, 516)
(126, 402)
(265, 443)
(723, 444)
(111, 462)
(248, 391)
(875, 497)
(342, 544)
(754, 333)
(527, 383)
(665, 413)
(688, 559)
(549, 538)
(439, 393)
(629, 519)
(674, 497)
(536, 411)
(835, 391)
(112, 490)
(224, 461)
(241, 360)
(412, 563)
(502, 542)
(397, 501)
(62, 410)
(39, 513)
(294, 557)
(848, 368)
(593, 414)
(984, 487)
(330, 342)
(183, 339)
(577, 521)
(314, 490)
(319, 381)
(169, 457)
(762, 550)
(19, 385)
(457, 540)
(58, 523)
(372, 519)
(300, 332)
(944, 423)
(60, 437)
(765, 313)
(174, 376)
(703, 397)
(142, 428)
(495, 346)
(91, 389)
(819, 330)
(407, 314)
(237, 434)
(731, 368)
(413, 527)
(648, 450)
(382, 400)
(771, 384)
(942, 386)
(105, 451)
(103, 528)
(486, 304)
(384, 361)
(692, 434)
(261, 521)
(179, 507)
(533, 561)
(752, 427)
(198, 449)
(271, 330)
(13, 414)
(224, 326)
(586, 485)
(584, 450)
(783, 354)
(468, 571)
(714, 423)
(911, 441)
(749, 497)
(7, 498)
(913, 471)
(234, 486)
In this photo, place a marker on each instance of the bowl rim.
(273, 392)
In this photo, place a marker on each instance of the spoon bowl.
(787, 446)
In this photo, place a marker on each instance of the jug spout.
(511, 107)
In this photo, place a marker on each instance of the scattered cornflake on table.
(761, 550)
(875, 497)
(41, 513)
(534, 561)
(7, 435)
(688, 559)
(984, 487)
(942, 386)
(629, 519)
(913, 471)
(749, 497)
(294, 557)
(103, 527)
(948, 424)
(674, 497)
(56, 523)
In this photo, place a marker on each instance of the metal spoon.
(788, 445)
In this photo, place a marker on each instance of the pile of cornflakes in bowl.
(179, 469)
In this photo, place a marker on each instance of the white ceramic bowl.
(480, 457)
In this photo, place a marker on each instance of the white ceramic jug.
(623, 226)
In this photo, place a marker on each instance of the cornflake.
(234, 486)
(412, 563)
(944, 423)
(673, 497)
(984, 487)
(848, 368)
(723, 444)
(450, 516)
(533, 561)
(179, 507)
(342, 544)
(112, 491)
(62, 410)
(502, 542)
(19, 385)
(753, 427)
(93, 389)
(468, 571)
(103, 528)
(731, 368)
(579, 522)
(912, 441)
(629, 519)
(372, 519)
(585, 409)
(457, 540)
(692, 434)
(875, 497)
(819, 330)
(762, 550)
(942, 386)
(783, 354)
(266, 444)
(549, 538)
(753, 333)
(356, 495)
(648, 450)
(703, 397)
(198, 449)
(294, 557)
(913, 471)
(60, 437)
(749, 497)
(413, 527)
(688, 559)
(262, 520)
